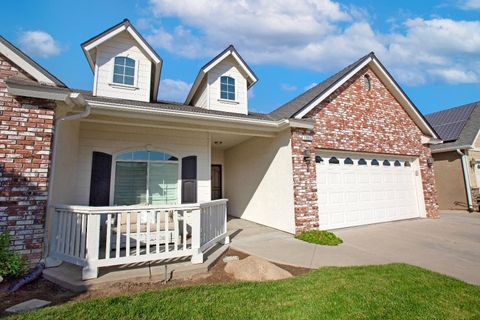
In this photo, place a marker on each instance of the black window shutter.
(189, 179)
(100, 179)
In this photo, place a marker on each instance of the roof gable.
(89, 49)
(303, 104)
(230, 51)
(28, 65)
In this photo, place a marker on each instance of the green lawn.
(320, 237)
(395, 291)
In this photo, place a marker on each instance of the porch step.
(69, 276)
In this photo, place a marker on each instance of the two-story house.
(135, 179)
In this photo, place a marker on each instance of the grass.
(324, 238)
(395, 291)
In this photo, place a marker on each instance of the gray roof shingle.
(295, 105)
(458, 127)
(449, 123)
(168, 105)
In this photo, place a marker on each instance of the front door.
(216, 178)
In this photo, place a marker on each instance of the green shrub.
(319, 237)
(11, 263)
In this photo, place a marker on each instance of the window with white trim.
(145, 177)
(227, 88)
(124, 71)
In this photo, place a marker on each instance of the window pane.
(120, 60)
(163, 183)
(223, 87)
(223, 80)
(158, 156)
(231, 96)
(128, 80)
(129, 71)
(117, 78)
(125, 156)
(118, 70)
(230, 81)
(140, 155)
(223, 95)
(130, 62)
(130, 183)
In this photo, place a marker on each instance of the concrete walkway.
(449, 245)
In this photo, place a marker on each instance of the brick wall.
(359, 120)
(26, 132)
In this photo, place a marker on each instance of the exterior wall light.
(430, 162)
(306, 155)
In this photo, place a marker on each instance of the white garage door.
(356, 189)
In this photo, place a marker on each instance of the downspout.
(74, 99)
(466, 179)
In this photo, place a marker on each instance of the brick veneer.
(26, 130)
(359, 120)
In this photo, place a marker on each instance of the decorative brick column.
(26, 132)
(304, 181)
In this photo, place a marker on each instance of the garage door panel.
(353, 194)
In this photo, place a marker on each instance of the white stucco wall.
(122, 45)
(227, 67)
(113, 139)
(64, 170)
(259, 181)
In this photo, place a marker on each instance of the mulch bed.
(46, 290)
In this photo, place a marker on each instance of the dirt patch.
(45, 290)
(40, 289)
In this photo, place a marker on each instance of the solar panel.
(449, 123)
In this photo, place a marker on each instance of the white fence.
(94, 237)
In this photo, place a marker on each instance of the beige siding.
(227, 67)
(122, 45)
(113, 139)
(66, 153)
(200, 98)
(449, 181)
(259, 181)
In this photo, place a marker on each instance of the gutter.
(276, 125)
(466, 179)
(73, 99)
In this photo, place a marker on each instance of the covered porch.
(128, 189)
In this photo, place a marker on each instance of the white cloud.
(310, 86)
(470, 4)
(173, 90)
(320, 35)
(38, 43)
(287, 87)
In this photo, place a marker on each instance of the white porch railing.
(94, 237)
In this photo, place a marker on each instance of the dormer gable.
(124, 64)
(222, 84)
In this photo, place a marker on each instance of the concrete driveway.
(449, 245)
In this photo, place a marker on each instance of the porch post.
(197, 256)
(90, 271)
(50, 261)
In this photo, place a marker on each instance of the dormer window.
(227, 88)
(124, 71)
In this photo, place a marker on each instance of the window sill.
(123, 86)
(229, 101)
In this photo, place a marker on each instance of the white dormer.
(123, 63)
(222, 84)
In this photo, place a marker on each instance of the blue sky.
(431, 47)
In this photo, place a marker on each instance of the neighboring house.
(128, 170)
(457, 160)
